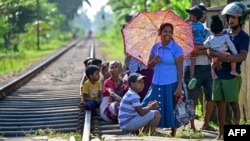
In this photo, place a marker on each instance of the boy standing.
(92, 89)
(132, 116)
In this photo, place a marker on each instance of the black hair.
(105, 65)
(85, 62)
(216, 24)
(91, 69)
(164, 25)
(96, 62)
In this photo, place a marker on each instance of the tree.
(16, 15)
(207, 3)
(69, 9)
(195, 2)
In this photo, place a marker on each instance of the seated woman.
(113, 90)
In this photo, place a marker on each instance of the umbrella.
(141, 33)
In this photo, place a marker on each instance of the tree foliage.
(67, 8)
(124, 8)
(17, 17)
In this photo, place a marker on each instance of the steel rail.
(18, 82)
(87, 121)
(25, 119)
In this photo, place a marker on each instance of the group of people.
(220, 81)
(146, 99)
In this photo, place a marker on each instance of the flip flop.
(192, 83)
(209, 128)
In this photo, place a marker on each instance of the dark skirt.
(164, 94)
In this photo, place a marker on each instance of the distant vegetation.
(20, 23)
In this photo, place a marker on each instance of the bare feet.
(173, 132)
(235, 73)
(193, 128)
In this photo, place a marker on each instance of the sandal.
(209, 128)
(192, 83)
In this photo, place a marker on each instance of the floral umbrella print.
(141, 33)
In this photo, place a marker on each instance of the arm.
(81, 84)
(83, 80)
(114, 96)
(200, 47)
(242, 47)
(126, 62)
(241, 56)
(98, 100)
(179, 64)
(152, 61)
(230, 45)
(86, 97)
(142, 111)
(199, 50)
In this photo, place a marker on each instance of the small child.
(92, 89)
(89, 61)
(105, 72)
(195, 14)
(84, 77)
(220, 42)
(134, 117)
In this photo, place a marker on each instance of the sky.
(95, 7)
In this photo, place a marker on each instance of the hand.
(212, 53)
(195, 52)
(217, 65)
(157, 58)
(178, 93)
(153, 104)
(110, 90)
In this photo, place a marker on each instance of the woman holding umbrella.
(166, 58)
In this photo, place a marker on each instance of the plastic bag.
(190, 108)
(181, 115)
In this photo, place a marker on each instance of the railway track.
(47, 96)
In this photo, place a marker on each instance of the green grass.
(12, 61)
(113, 45)
(188, 134)
(52, 134)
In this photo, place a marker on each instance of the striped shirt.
(127, 107)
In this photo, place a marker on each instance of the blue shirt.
(165, 71)
(241, 42)
(127, 107)
(198, 32)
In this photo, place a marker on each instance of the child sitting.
(92, 90)
(84, 77)
(132, 116)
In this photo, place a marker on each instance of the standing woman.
(166, 58)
